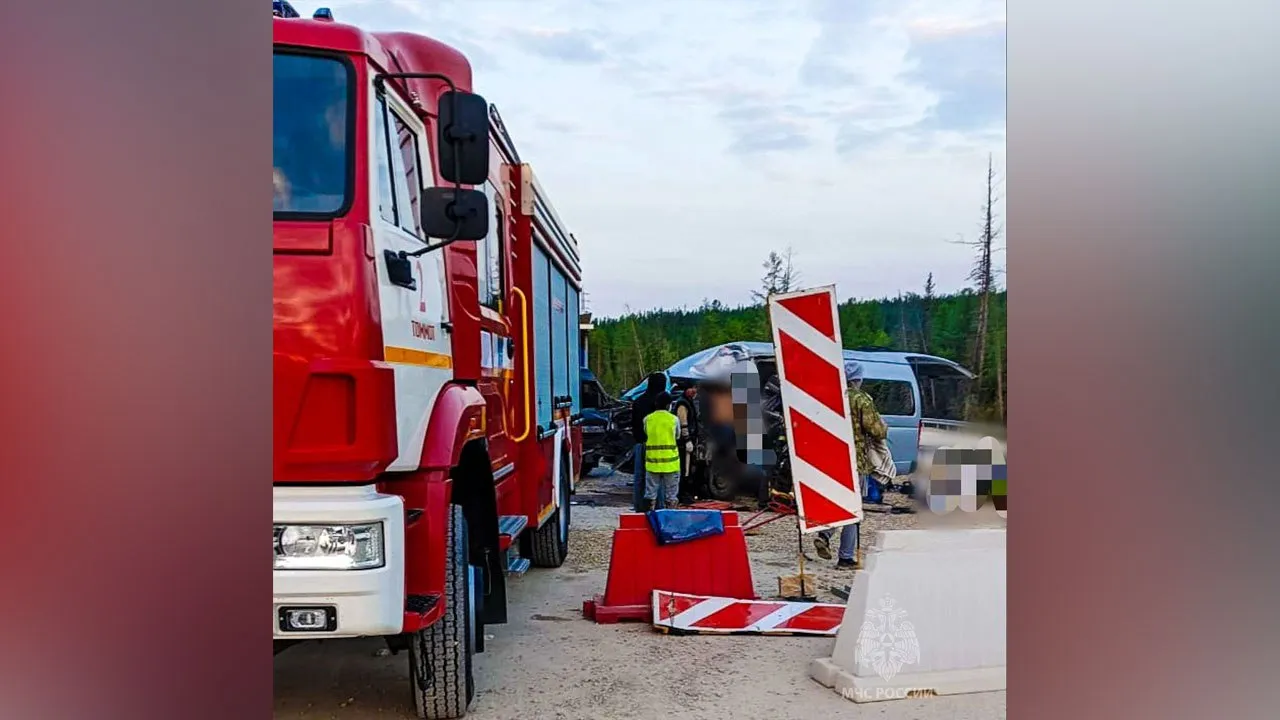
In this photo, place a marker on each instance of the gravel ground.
(548, 662)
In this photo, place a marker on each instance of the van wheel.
(550, 543)
(782, 481)
(719, 483)
(440, 655)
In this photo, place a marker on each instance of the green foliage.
(625, 349)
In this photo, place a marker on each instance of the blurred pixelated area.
(966, 478)
(748, 417)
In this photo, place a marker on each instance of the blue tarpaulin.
(677, 526)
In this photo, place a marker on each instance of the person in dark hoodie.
(655, 385)
(686, 410)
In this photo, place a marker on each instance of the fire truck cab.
(425, 357)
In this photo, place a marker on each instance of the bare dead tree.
(902, 324)
(926, 309)
(780, 275)
(1000, 343)
(790, 278)
(773, 269)
(983, 277)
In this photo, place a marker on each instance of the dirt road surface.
(548, 662)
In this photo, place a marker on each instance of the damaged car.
(740, 446)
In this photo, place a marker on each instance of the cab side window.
(386, 192)
(399, 171)
(408, 178)
(489, 251)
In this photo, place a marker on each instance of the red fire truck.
(426, 303)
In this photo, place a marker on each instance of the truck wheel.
(440, 655)
(551, 541)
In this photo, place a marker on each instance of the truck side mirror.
(455, 214)
(463, 138)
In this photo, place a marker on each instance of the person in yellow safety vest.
(661, 455)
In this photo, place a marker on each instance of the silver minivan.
(893, 379)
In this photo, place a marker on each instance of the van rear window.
(893, 397)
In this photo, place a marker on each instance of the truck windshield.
(310, 131)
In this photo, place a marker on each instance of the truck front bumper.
(358, 602)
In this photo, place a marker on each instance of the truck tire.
(440, 655)
(550, 543)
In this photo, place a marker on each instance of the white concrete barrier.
(925, 617)
(943, 539)
(996, 447)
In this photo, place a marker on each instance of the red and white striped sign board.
(824, 464)
(730, 616)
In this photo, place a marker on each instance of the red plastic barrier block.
(716, 566)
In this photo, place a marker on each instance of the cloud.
(385, 15)
(770, 138)
(967, 70)
(845, 30)
(933, 28)
(903, 68)
(557, 126)
(855, 130)
(569, 46)
(761, 125)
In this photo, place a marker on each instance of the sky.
(681, 141)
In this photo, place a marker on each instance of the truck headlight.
(328, 547)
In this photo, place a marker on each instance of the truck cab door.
(413, 305)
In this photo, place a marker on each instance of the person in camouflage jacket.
(868, 427)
